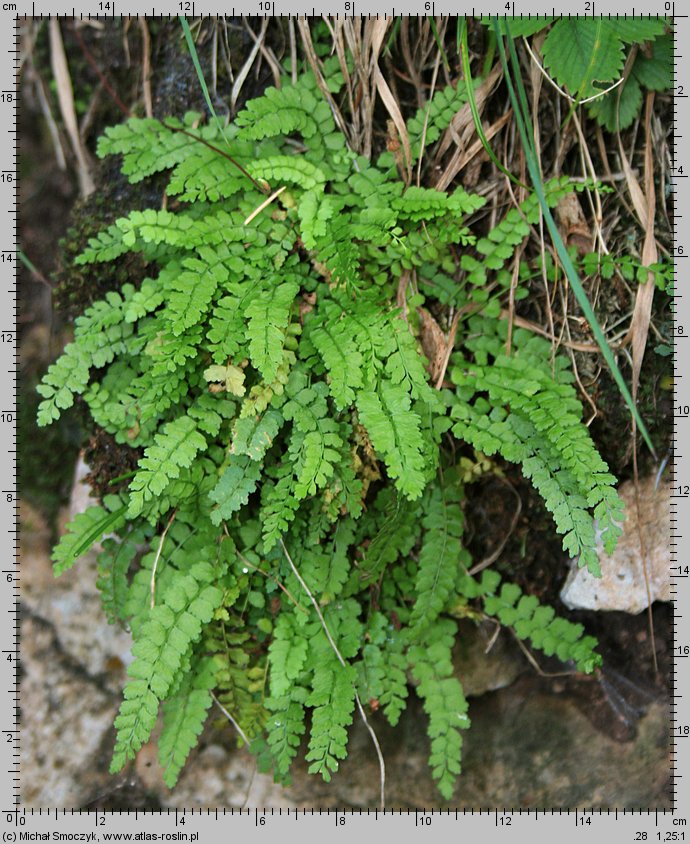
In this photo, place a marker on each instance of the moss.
(77, 287)
(108, 460)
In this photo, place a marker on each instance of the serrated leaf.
(584, 55)
(235, 486)
(232, 377)
(618, 109)
(268, 318)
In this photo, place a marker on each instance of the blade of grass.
(439, 44)
(97, 531)
(467, 76)
(204, 88)
(199, 72)
(520, 108)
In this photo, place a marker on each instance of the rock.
(622, 584)
(486, 658)
(65, 715)
(82, 497)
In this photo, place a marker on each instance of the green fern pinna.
(292, 540)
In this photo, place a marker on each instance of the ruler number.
(185, 6)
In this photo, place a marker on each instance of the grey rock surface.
(486, 658)
(647, 536)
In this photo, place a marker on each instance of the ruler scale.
(643, 824)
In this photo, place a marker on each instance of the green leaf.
(82, 533)
(584, 55)
(184, 714)
(655, 71)
(268, 317)
(618, 109)
(394, 429)
(231, 377)
(254, 435)
(236, 484)
(174, 449)
(173, 625)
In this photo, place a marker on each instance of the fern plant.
(294, 450)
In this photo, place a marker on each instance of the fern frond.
(278, 169)
(113, 565)
(268, 316)
(191, 291)
(174, 449)
(444, 702)
(149, 230)
(540, 427)
(382, 671)
(254, 435)
(236, 484)
(441, 554)
(285, 728)
(184, 715)
(394, 429)
(204, 175)
(100, 334)
(334, 338)
(500, 244)
(278, 507)
(147, 146)
(284, 112)
(536, 623)
(434, 118)
(287, 655)
(406, 365)
(174, 624)
(316, 441)
(67, 376)
(333, 699)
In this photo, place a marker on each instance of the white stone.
(623, 585)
